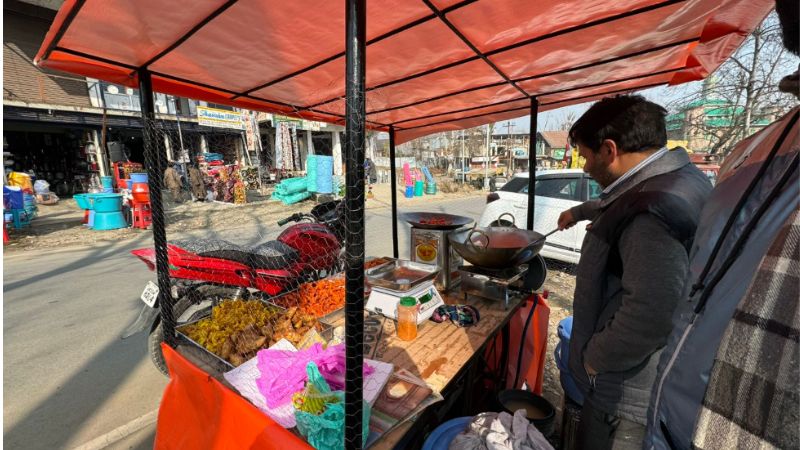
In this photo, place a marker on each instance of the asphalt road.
(69, 381)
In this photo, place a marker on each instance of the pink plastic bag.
(284, 372)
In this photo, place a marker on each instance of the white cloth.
(500, 431)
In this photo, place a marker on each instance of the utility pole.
(463, 166)
(509, 128)
(486, 161)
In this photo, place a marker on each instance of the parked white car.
(556, 191)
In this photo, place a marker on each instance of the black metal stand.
(393, 173)
(355, 116)
(532, 162)
(155, 162)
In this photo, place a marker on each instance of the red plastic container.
(140, 193)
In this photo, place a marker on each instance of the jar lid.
(408, 301)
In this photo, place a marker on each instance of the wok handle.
(533, 244)
(513, 220)
(471, 243)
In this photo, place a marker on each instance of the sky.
(553, 119)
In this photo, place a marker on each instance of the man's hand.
(591, 372)
(565, 220)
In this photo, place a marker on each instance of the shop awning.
(432, 65)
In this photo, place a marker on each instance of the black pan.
(418, 219)
(498, 247)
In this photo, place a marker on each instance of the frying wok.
(451, 222)
(497, 247)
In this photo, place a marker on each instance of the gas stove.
(491, 284)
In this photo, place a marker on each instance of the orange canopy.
(432, 65)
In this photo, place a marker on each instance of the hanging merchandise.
(279, 131)
(286, 146)
(295, 149)
(239, 193)
(250, 178)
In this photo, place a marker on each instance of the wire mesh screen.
(256, 269)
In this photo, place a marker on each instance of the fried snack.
(317, 298)
(237, 330)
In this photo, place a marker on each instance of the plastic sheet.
(197, 411)
(417, 66)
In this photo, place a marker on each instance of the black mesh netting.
(250, 265)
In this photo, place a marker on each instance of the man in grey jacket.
(634, 262)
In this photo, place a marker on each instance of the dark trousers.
(600, 431)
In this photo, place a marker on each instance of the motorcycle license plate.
(150, 294)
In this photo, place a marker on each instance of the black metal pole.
(355, 117)
(393, 172)
(532, 162)
(155, 162)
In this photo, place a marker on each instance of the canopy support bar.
(155, 162)
(355, 124)
(525, 108)
(472, 46)
(532, 161)
(393, 176)
(332, 58)
(189, 33)
(479, 55)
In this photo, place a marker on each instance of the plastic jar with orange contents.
(407, 318)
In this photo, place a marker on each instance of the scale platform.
(384, 301)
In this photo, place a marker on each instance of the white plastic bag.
(41, 187)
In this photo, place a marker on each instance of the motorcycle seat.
(269, 255)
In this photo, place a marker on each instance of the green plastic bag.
(325, 431)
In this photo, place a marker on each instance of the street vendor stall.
(409, 68)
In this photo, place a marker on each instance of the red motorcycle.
(204, 272)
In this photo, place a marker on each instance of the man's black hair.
(789, 17)
(633, 122)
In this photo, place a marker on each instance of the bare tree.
(569, 120)
(740, 96)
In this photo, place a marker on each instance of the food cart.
(406, 67)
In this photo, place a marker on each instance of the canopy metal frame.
(356, 119)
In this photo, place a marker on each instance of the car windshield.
(516, 184)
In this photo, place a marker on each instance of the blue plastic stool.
(20, 218)
(561, 354)
(444, 434)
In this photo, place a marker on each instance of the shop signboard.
(219, 118)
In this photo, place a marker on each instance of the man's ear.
(609, 149)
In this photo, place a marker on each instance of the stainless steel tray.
(222, 365)
(400, 275)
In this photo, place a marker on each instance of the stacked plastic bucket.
(105, 210)
(108, 184)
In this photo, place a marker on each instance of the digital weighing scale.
(384, 301)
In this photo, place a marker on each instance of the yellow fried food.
(227, 318)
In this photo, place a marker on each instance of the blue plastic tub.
(108, 203)
(444, 434)
(409, 191)
(82, 200)
(139, 178)
(109, 221)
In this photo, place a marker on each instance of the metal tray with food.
(236, 345)
(400, 275)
